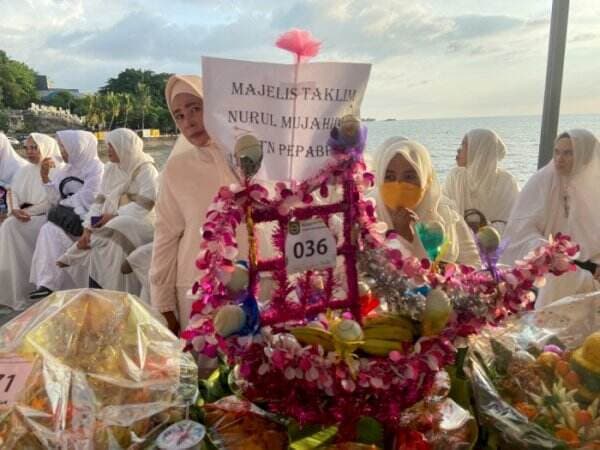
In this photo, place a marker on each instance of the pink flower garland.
(313, 386)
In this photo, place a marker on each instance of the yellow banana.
(380, 347)
(388, 332)
(314, 336)
(388, 319)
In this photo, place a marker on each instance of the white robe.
(482, 185)
(433, 207)
(139, 260)
(10, 162)
(551, 203)
(52, 241)
(111, 244)
(128, 190)
(17, 239)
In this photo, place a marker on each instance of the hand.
(46, 165)
(21, 215)
(597, 273)
(404, 220)
(104, 220)
(84, 241)
(62, 265)
(172, 322)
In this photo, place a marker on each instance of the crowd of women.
(75, 221)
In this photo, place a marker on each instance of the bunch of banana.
(312, 335)
(384, 333)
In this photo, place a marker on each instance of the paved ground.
(6, 316)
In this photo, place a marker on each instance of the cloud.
(425, 56)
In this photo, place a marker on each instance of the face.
(32, 151)
(461, 153)
(112, 155)
(399, 169)
(63, 150)
(563, 156)
(188, 112)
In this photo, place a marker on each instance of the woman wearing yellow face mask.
(407, 191)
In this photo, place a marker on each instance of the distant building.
(46, 91)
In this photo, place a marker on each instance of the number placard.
(14, 372)
(309, 245)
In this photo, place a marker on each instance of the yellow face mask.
(400, 194)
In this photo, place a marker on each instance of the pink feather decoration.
(300, 42)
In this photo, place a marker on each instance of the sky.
(431, 58)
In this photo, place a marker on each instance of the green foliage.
(17, 83)
(3, 120)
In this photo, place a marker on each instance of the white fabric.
(482, 184)
(17, 242)
(433, 207)
(82, 148)
(10, 161)
(139, 261)
(27, 185)
(51, 243)
(130, 150)
(17, 239)
(541, 210)
(133, 225)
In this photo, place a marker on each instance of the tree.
(3, 121)
(62, 99)
(113, 104)
(126, 97)
(144, 99)
(17, 83)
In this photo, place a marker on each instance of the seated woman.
(69, 196)
(10, 163)
(407, 191)
(483, 192)
(19, 232)
(122, 216)
(561, 197)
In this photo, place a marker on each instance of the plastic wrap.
(529, 386)
(90, 369)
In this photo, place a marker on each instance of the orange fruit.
(583, 417)
(562, 368)
(572, 380)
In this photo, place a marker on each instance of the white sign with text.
(290, 108)
(309, 245)
(14, 372)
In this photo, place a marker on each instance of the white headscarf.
(47, 146)
(482, 184)
(82, 148)
(10, 161)
(118, 177)
(27, 186)
(540, 209)
(434, 206)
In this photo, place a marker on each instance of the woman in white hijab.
(561, 197)
(73, 190)
(189, 183)
(478, 186)
(121, 218)
(407, 190)
(19, 232)
(10, 161)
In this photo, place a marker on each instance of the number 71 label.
(14, 372)
(309, 245)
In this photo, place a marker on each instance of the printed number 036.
(307, 248)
